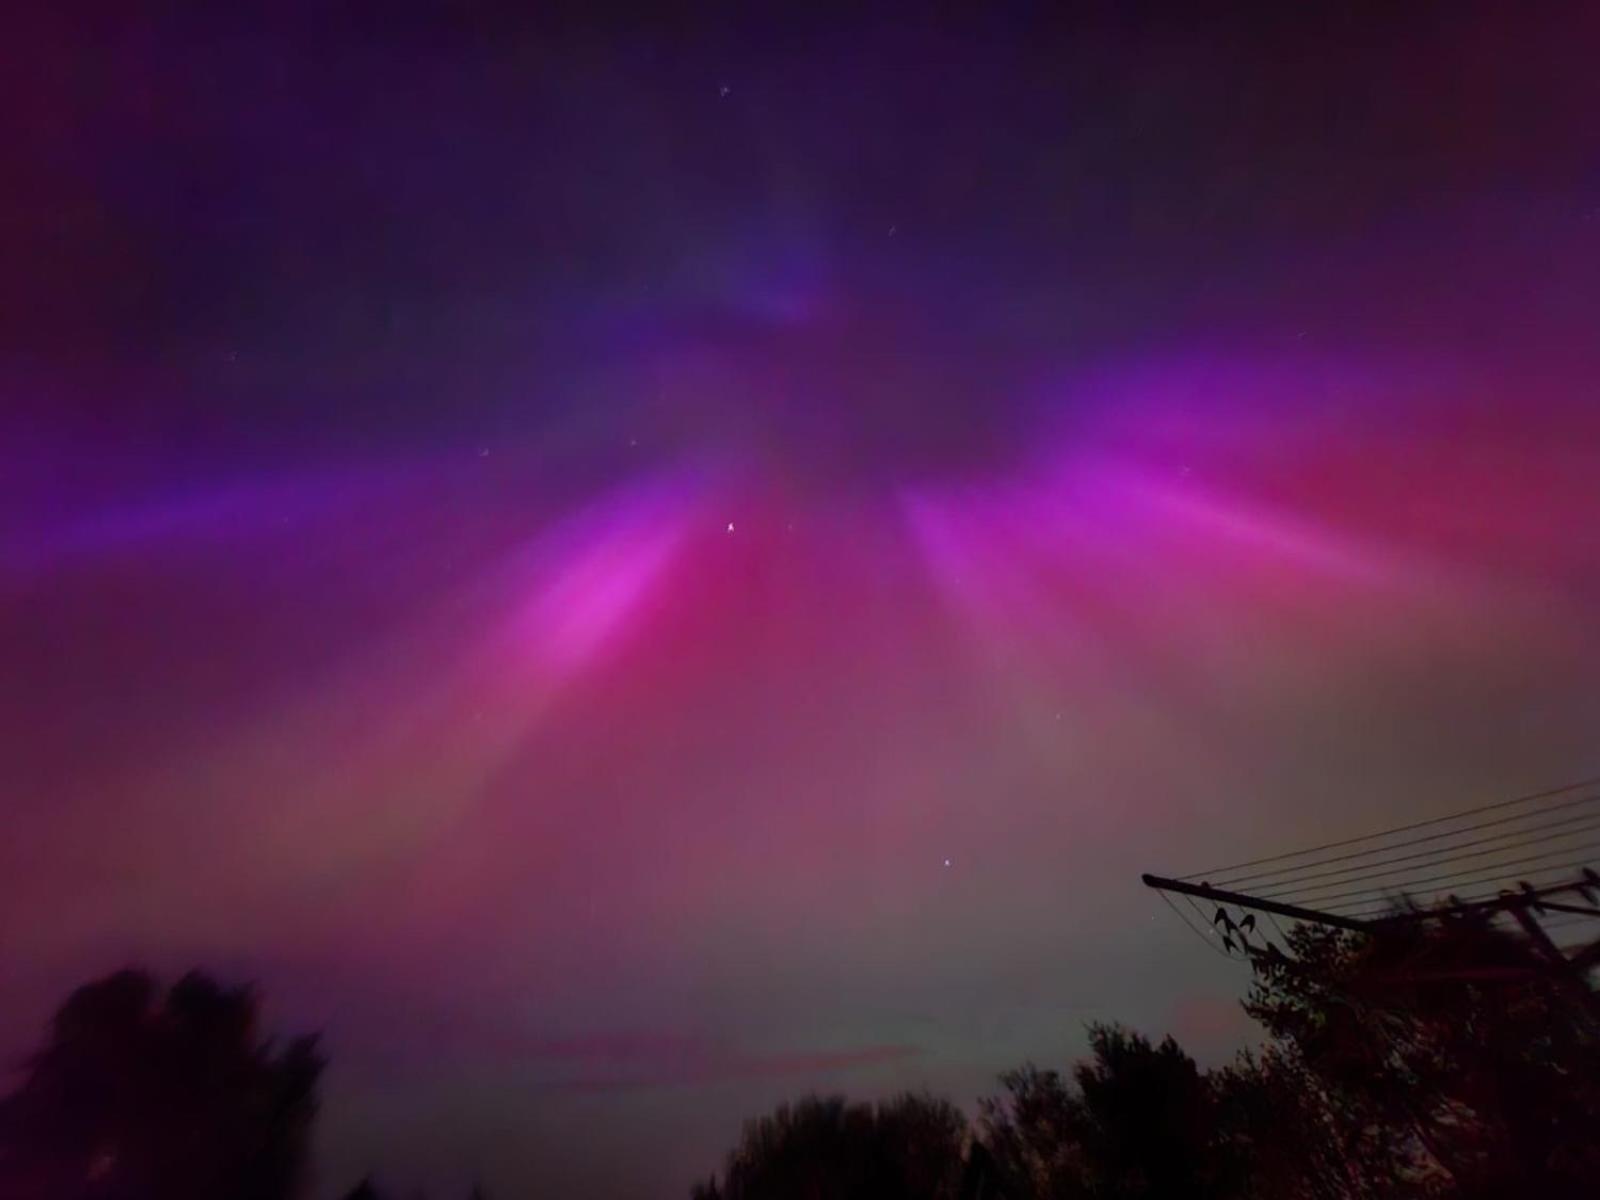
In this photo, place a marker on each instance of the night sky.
(629, 571)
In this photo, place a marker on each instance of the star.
(730, 526)
(947, 862)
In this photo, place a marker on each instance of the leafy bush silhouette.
(909, 1147)
(141, 1095)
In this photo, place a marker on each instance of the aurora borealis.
(630, 571)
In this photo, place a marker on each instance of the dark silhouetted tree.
(367, 1190)
(1137, 1122)
(1447, 1059)
(138, 1096)
(909, 1148)
(1274, 1140)
(1450, 1056)
(1035, 1133)
(1150, 1119)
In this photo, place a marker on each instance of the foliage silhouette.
(909, 1148)
(1138, 1122)
(1448, 1056)
(176, 1097)
(367, 1190)
(1444, 1058)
